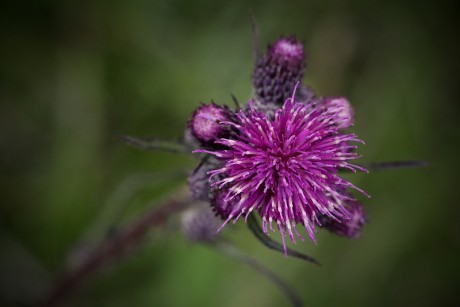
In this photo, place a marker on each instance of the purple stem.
(113, 247)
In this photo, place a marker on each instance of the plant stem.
(153, 144)
(395, 164)
(231, 252)
(113, 247)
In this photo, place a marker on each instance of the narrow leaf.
(233, 253)
(255, 228)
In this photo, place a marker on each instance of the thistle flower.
(346, 116)
(286, 169)
(278, 70)
(205, 123)
(351, 227)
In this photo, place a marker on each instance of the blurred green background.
(75, 74)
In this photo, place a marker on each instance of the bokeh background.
(75, 74)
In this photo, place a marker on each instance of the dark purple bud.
(278, 70)
(220, 203)
(200, 225)
(206, 123)
(344, 114)
(347, 227)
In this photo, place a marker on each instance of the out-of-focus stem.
(395, 164)
(231, 252)
(114, 247)
(153, 144)
(255, 39)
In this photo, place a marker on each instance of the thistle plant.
(281, 155)
(275, 163)
(286, 169)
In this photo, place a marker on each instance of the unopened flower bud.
(206, 123)
(278, 70)
(348, 227)
(344, 114)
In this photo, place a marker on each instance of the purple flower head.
(205, 124)
(278, 70)
(286, 169)
(346, 116)
(351, 227)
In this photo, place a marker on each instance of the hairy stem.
(113, 247)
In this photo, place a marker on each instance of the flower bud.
(278, 70)
(205, 124)
(345, 116)
(348, 227)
